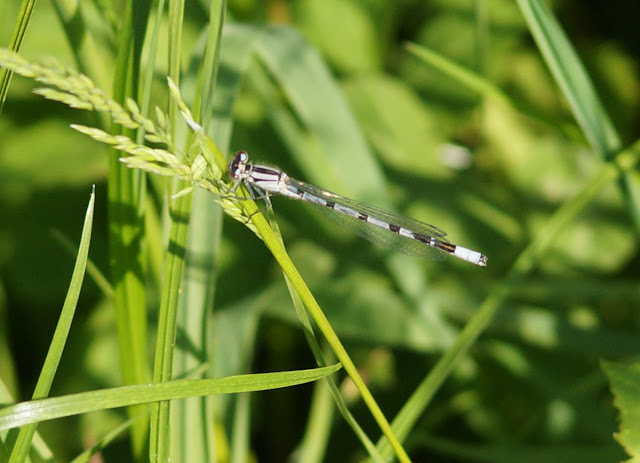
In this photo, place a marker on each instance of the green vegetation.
(511, 125)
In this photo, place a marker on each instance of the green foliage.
(625, 384)
(509, 124)
(46, 409)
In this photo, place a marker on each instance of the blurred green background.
(489, 175)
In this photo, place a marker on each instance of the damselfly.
(382, 227)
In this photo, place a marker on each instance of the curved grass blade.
(331, 384)
(276, 247)
(463, 75)
(573, 80)
(35, 411)
(23, 442)
(571, 77)
(480, 84)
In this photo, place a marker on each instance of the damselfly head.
(238, 165)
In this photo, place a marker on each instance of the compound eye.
(243, 155)
(233, 168)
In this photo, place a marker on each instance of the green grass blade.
(461, 74)
(14, 44)
(571, 77)
(209, 70)
(274, 244)
(314, 443)
(4, 453)
(23, 442)
(180, 209)
(150, 66)
(236, 329)
(35, 411)
(241, 431)
(192, 429)
(127, 191)
(484, 87)
(310, 441)
(152, 220)
(576, 86)
(167, 322)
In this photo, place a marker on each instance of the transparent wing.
(380, 236)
